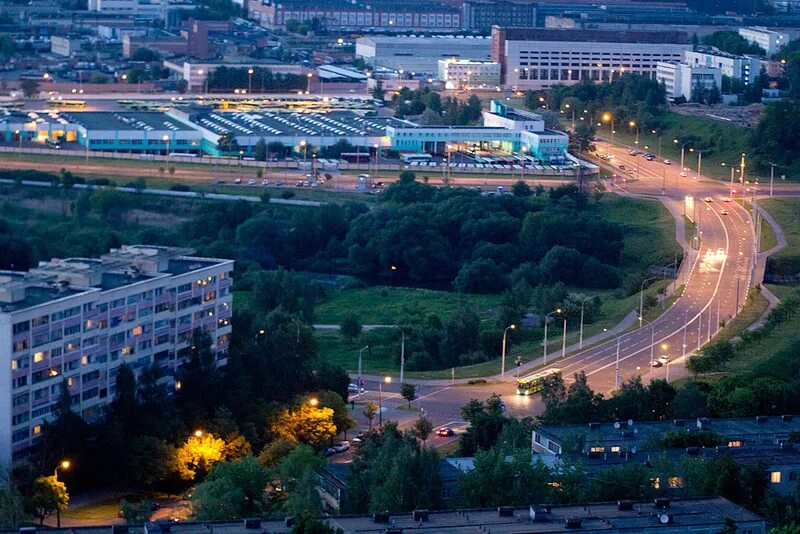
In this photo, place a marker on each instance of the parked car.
(330, 451)
(353, 388)
(237, 181)
(664, 359)
(342, 446)
(444, 432)
(357, 443)
(251, 182)
(683, 173)
(726, 199)
(264, 182)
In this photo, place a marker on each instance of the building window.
(735, 443)
(775, 477)
(675, 482)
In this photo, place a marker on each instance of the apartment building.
(78, 319)
(541, 58)
(483, 14)
(146, 9)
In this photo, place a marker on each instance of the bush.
(179, 187)
(286, 195)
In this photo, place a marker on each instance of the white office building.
(420, 54)
(682, 80)
(769, 40)
(540, 58)
(745, 68)
(466, 73)
(76, 320)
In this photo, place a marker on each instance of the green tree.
(497, 481)
(423, 427)
(370, 412)
(408, 392)
(12, 504)
(275, 451)
(150, 460)
(260, 150)
(583, 137)
(231, 490)
(350, 327)
(521, 189)
(48, 495)
(137, 512)
(195, 457)
(298, 475)
(29, 86)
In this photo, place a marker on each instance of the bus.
(534, 383)
(356, 157)
(418, 158)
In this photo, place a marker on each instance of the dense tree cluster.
(732, 42)
(427, 107)
(226, 79)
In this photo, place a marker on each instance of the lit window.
(37, 430)
(38, 356)
(69, 382)
(657, 483)
(734, 443)
(137, 331)
(615, 449)
(597, 449)
(675, 482)
(775, 477)
(14, 365)
(84, 360)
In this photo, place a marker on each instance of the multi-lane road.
(718, 270)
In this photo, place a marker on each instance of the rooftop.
(687, 514)
(59, 278)
(593, 36)
(751, 431)
(269, 123)
(126, 121)
(374, 5)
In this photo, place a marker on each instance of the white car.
(664, 359)
(264, 182)
(342, 446)
(353, 388)
(667, 162)
(683, 173)
(726, 199)
(251, 182)
(708, 199)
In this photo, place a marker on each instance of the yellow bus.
(534, 383)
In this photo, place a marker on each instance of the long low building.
(420, 54)
(541, 58)
(204, 130)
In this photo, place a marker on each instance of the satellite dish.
(664, 519)
(616, 425)
(630, 422)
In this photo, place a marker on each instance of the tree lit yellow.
(198, 454)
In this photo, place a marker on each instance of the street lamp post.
(733, 170)
(165, 138)
(250, 80)
(523, 149)
(387, 380)
(616, 364)
(641, 299)
(503, 360)
(580, 335)
(771, 175)
(304, 144)
(63, 465)
(366, 347)
(683, 149)
(547, 316)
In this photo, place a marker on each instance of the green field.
(753, 309)
(650, 240)
(728, 142)
(786, 212)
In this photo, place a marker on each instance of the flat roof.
(374, 5)
(760, 430)
(593, 36)
(298, 124)
(126, 121)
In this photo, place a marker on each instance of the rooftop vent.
(665, 519)
(420, 515)
(624, 506)
(573, 522)
(505, 511)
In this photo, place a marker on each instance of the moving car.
(251, 182)
(667, 162)
(723, 212)
(353, 388)
(444, 432)
(708, 199)
(726, 199)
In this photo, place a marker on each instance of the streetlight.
(641, 299)
(198, 433)
(503, 361)
(63, 465)
(683, 147)
(733, 170)
(387, 380)
(313, 401)
(580, 336)
(250, 80)
(616, 364)
(360, 351)
(165, 138)
(632, 124)
(608, 117)
(654, 132)
(771, 175)
(557, 311)
(304, 144)
(699, 161)
(309, 76)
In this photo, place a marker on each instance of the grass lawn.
(101, 511)
(383, 304)
(752, 310)
(780, 290)
(786, 212)
(650, 240)
(728, 142)
(772, 355)
(768, 238)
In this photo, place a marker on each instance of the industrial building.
(540, 58)
(420, 54)
(199, 130)
(483, 14)
(376, 15)
(72, 322)
(770, 40)
(466, 73)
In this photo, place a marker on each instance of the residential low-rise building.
(146, 9)
(468, 73)
(64, 45)
(72, 322)
(682, 80)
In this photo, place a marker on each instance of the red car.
(444, 432)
